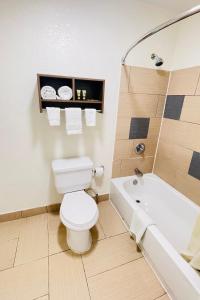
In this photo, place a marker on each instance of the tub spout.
(138, 172)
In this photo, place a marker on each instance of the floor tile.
(134, 281)
(57, 234)
(10, 230)
(109, 220)
(164, 297)
(57, 241)
(53, 221)
(7, 253)
(26, 282)
(110, 253)
(97, 232)
(46, 297)
(34, 232)
(67, 278)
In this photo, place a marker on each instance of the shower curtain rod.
(164, 25)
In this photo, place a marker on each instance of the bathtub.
(174, 216)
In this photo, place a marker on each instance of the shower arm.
(164, 25)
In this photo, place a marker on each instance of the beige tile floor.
(36, 263)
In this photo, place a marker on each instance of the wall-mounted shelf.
(94, 88)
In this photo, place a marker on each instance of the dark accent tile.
(173, 107)
(139, 128)
(194, 169)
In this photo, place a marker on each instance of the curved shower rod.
(164, 25)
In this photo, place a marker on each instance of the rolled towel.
(73, 120)
(53, 114)
(90, 116)
(139, 224)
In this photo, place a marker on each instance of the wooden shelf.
(94, 91)
(71, 101)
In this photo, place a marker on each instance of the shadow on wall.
(53, 143)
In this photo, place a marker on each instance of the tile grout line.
(157, 298)
(85, 276)
(112, 236)
(48, 255)
(25, 263)
(158, 100)
(116, 267)
(162, 118)
(181, 121)
(171, 143)
(198, 80)
(16, 252)
(17, 245)
(102, 228)
(40, 297)
(13, 265)
(105, 238)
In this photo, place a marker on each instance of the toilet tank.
(72, 174)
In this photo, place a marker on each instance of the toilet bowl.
(79, 213)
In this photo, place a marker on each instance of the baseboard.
(29, 212)
(104, 197)
(39, 210)
(10, 216)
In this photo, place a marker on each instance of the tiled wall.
(178, 157)
(141, 102)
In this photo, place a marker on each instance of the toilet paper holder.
(98, 171)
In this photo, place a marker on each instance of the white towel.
(73, 120)
(90, 116)
(192, 253)
(53, 114)
(139, 224)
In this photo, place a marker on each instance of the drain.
(137, 201)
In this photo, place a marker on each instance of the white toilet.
(78, 211)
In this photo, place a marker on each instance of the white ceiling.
(178, 5)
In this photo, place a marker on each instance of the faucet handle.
(140, 148)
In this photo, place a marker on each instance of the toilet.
(78, 211)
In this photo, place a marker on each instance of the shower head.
(158, 60)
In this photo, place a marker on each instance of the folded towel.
(53, 114)
(73, 120)
(192, 254)
(139, 224)
(195, 262)
(90, 116)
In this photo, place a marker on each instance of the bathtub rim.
(122, 180)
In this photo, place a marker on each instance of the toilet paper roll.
(98, 171)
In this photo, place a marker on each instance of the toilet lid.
(79, 210)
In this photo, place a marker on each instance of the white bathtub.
(174, 215)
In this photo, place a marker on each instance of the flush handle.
(140, 148)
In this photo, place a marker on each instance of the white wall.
(187, 50)
(72, 38)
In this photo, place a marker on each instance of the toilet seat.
(78, 211)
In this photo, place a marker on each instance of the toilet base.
(79, 241)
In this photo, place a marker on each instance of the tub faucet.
(138, 172)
